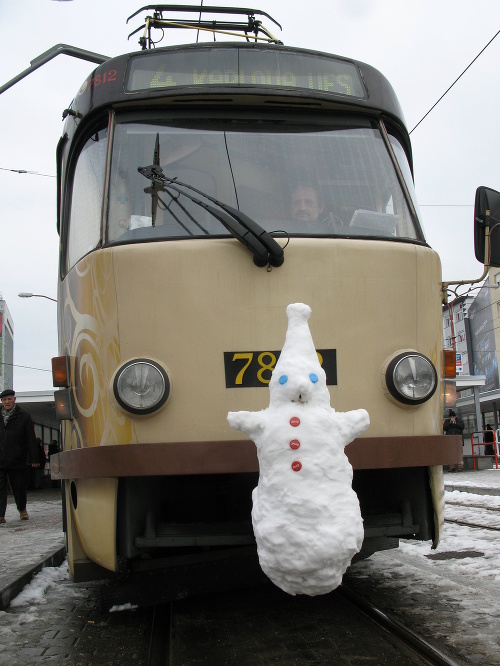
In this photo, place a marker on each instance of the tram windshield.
(323, 181)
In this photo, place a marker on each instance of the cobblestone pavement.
(24, 543)
(55, 620)
(454, 600)
(62, 623)
(438, 608)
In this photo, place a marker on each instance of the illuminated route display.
(244, 67)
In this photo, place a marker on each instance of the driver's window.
(84, 231)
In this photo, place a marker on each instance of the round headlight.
(411, 378)
(141, 386)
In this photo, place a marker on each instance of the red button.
(296, 466)
(294, 444)
(294, 421)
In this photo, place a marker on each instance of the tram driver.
(308, 207)
(307, 204)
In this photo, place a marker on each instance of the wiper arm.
(154, 189)
(261, 244)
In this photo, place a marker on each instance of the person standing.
(53, 450)
(489, 439)
(17, 448)
(35, 474)
(454, 426)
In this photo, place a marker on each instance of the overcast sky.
(420, 46)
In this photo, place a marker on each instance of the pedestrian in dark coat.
(489, 436)
(17, 449)
(454, 426)
(35, 474)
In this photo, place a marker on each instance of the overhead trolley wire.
(31, 173)
(447, 91)
(28, 367)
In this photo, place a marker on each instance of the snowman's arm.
(251, 423)
(352, 424)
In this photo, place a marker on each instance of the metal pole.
(56, 50)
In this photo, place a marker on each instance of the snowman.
(306, 516)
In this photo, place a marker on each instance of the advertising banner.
(483, 341)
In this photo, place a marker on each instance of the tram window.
(84, 231)
(255, 168)
(405, 170)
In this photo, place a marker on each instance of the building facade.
(456, 332)
(6, 347)
(471, 326)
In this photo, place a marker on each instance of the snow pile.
(123, 607)
(306, 516)
(44, 580)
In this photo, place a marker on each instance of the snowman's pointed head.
(298, 376)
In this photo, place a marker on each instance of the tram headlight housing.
(141, 386)
(411, 378)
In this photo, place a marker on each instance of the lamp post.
(24, 294)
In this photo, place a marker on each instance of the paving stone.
(68, 627)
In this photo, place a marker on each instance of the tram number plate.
(254, 368)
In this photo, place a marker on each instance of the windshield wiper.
(154, 189)
(261, 244)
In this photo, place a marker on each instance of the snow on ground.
(451, 595)
(25, 543)
(458, 538)
(47, 578)
(28, 608)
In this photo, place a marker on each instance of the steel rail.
(467, 505)
(416, 642)
(159, 653)
(474, 525)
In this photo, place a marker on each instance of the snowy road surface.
(450, 596)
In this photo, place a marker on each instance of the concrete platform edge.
(11, 590)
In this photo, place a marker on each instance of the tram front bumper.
(240, 456)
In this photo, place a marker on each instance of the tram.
(201, 189)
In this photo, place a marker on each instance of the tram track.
(473, 505)
(474, 514)
(464, 523)
(159, 640)
(262, 625)
(420, 645)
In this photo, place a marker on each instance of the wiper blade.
(264, 248)
(154, 189)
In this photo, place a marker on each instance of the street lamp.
(24, 294)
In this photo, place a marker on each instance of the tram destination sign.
(244, 67)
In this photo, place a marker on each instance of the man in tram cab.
(307, 204)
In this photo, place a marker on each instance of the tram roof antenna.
(233, 28)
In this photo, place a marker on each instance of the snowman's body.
(306, 516)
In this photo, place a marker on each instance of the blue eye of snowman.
(283, 379)
(313, 377)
